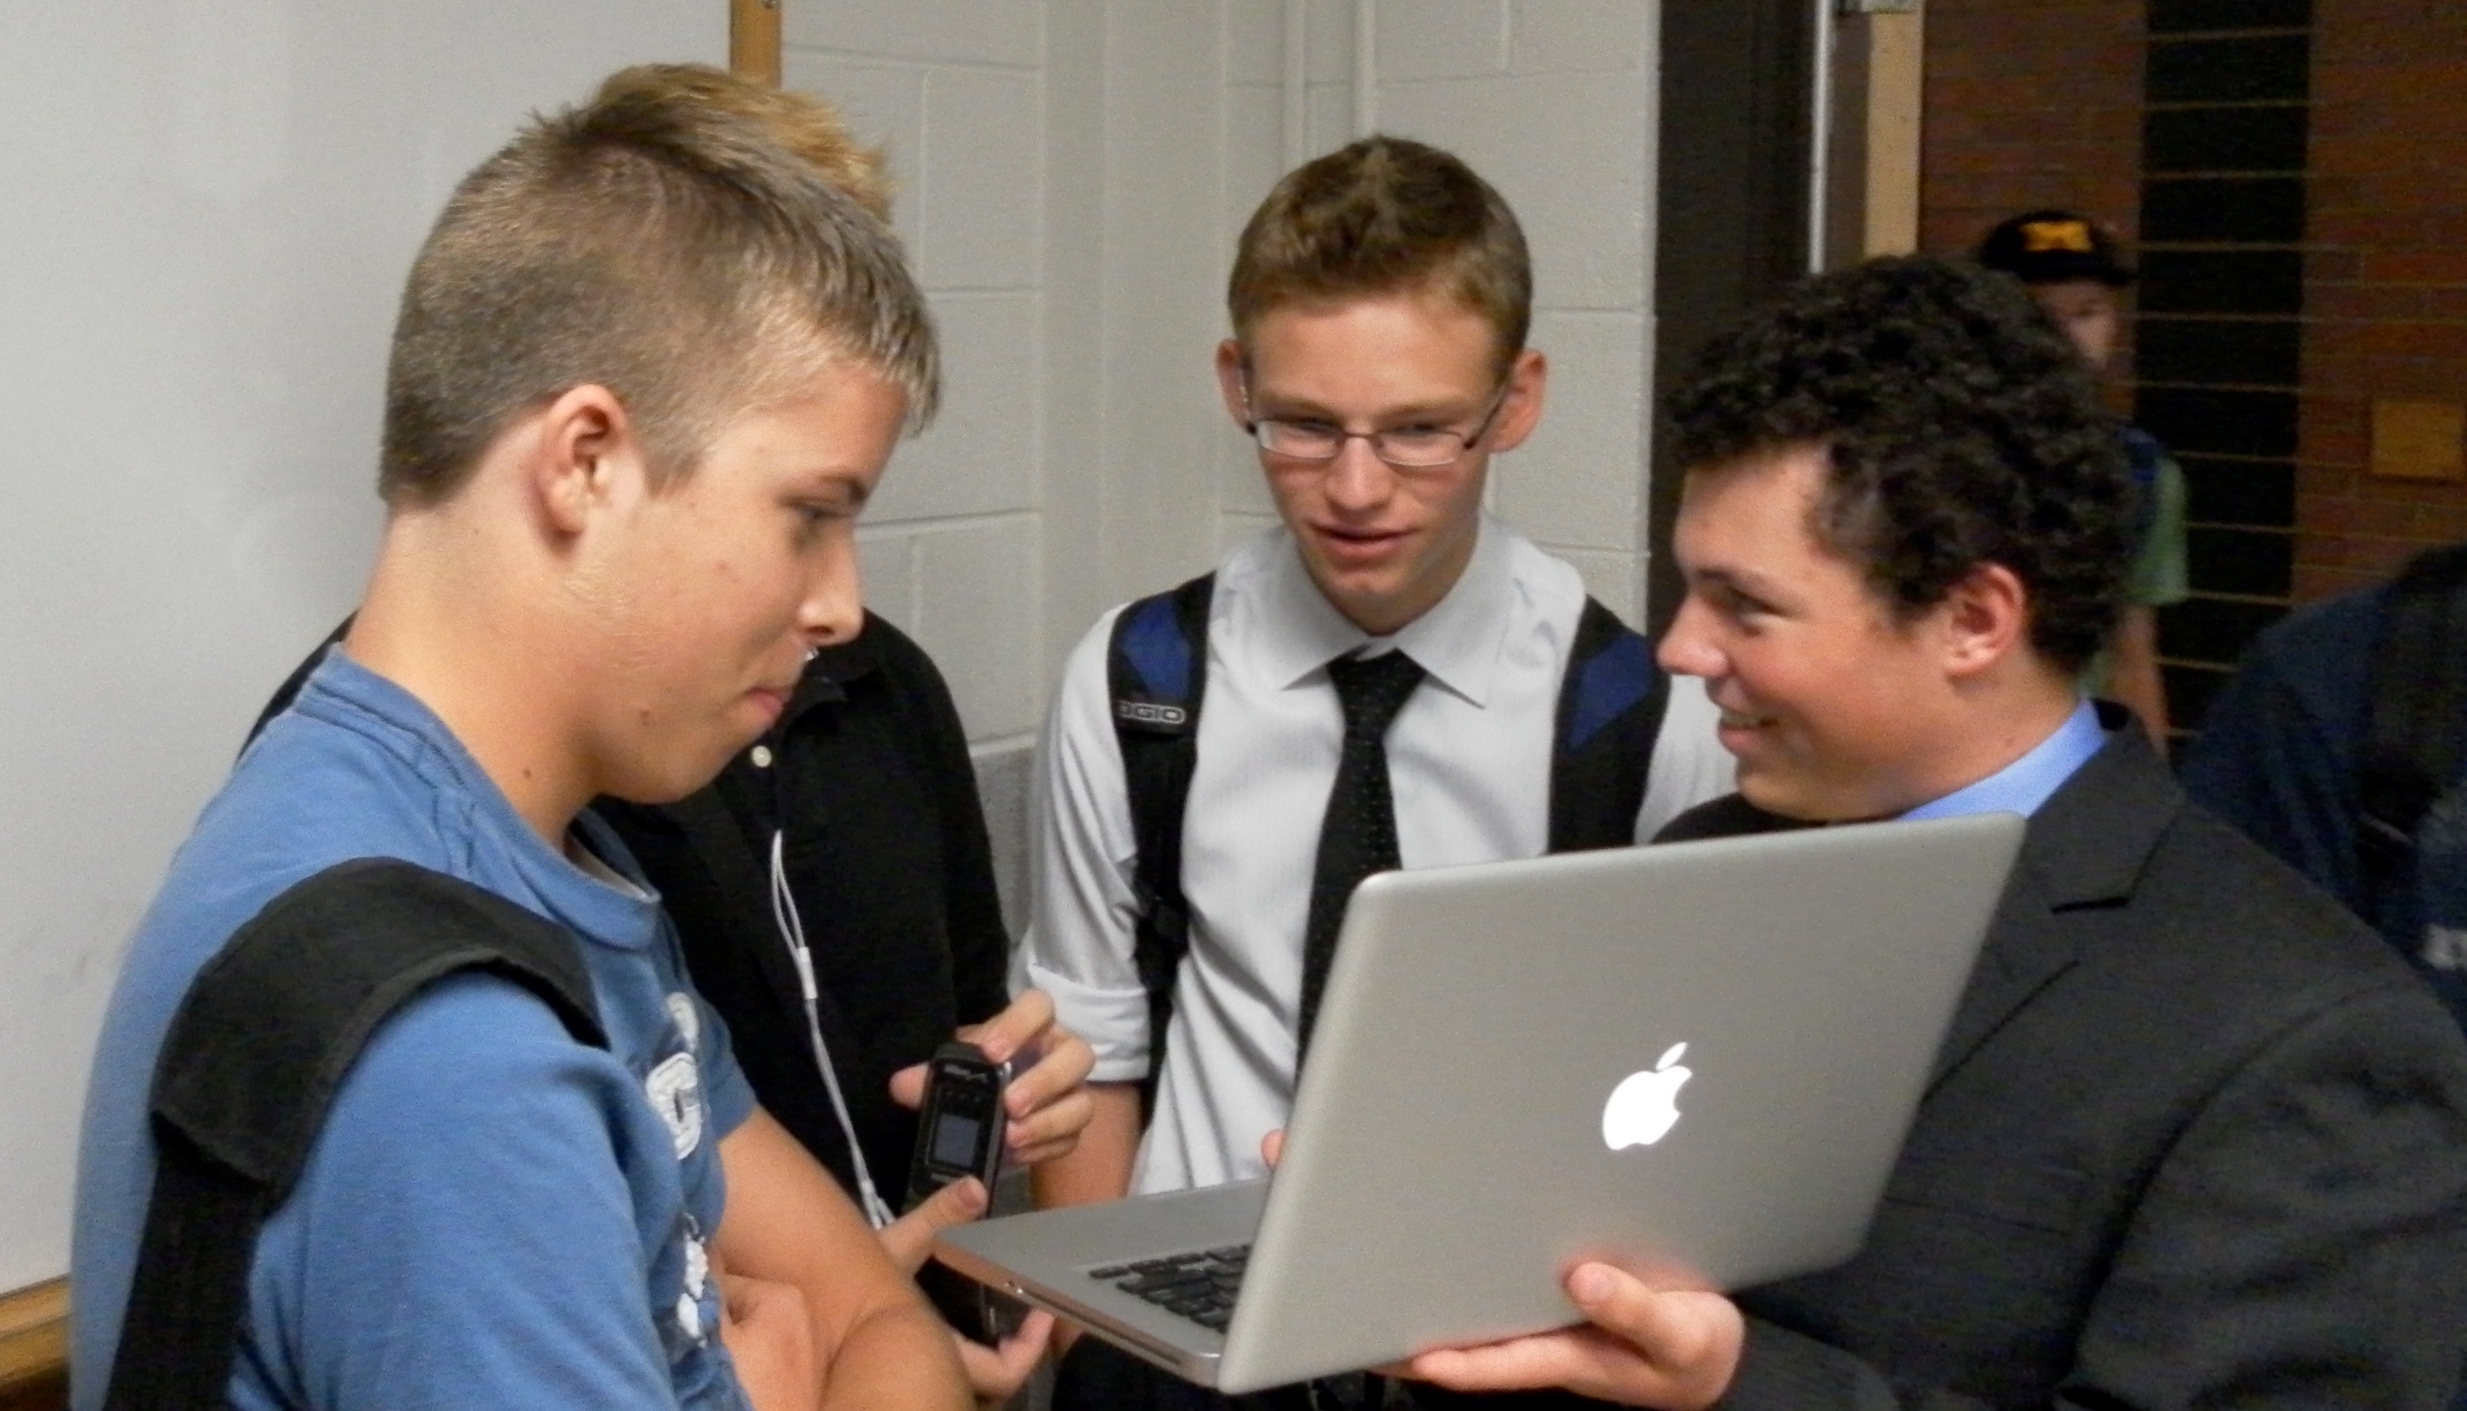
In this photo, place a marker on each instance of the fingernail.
(1589, 1284)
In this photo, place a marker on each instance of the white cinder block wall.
(1555, 102)
(210, 208)
(1074, 173)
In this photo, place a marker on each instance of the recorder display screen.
(955, 1140)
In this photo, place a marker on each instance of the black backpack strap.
(2415, 740)
(1156, 670)
(253, 1060)
(1610, 710)
(289, 691)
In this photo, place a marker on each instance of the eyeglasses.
(1405, 447)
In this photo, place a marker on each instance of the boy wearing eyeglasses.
(1384, 678)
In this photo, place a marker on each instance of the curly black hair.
(1961, 429)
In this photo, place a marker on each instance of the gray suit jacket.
(2197, 1138)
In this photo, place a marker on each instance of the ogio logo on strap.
(2445, 947)
(1154, 715)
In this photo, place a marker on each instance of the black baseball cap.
(2054, 247)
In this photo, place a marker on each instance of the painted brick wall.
(1063, 165)
(1551, 100)
(2029, 103)
(1073, 176)
(954, 89)
(2385, 278)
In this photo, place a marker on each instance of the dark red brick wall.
(2052, 102)
(2028, 103)
(2385, 278)
(2040, 102)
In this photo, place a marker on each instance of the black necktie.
(1357, 836)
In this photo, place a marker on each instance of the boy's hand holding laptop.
(1673, 1348)
(910, 1239)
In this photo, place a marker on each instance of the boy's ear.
(1528, 377)
(1986, 619)
(1229, 381)
(584, 442)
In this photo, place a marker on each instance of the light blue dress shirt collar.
(2026, 783)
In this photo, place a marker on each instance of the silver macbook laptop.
(1699, 1057)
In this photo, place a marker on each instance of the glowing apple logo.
(1645, 1106)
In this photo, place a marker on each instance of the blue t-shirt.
(494, 1214)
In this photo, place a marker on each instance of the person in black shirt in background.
(866, 785)
(866, 778)
(852, 830)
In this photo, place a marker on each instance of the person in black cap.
(2073, 270)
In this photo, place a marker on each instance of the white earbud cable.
(792, 930)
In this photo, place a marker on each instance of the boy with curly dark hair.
(2195, 1137)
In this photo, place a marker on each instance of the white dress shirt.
(1469, 761)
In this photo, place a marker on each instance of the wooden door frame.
(1737, 122)
(754, 39)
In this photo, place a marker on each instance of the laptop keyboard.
(1199, 1286)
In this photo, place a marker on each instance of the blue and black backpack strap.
(1156, 670)
(2415, 741)
(2145, 456)
(1610, 709)
(251, 1064)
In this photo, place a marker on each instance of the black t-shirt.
(885, 850)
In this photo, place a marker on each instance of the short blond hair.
(810, 128)
(696, 243)
(1382, 216)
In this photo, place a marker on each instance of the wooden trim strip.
(754, 39)
(34, 1334)
(1897, 48)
